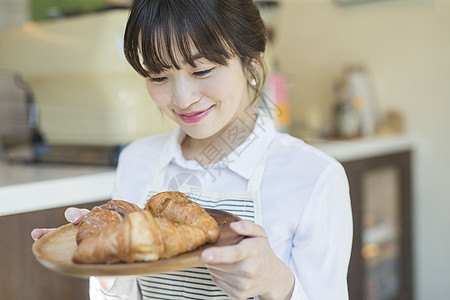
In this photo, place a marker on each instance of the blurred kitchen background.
(366, 81)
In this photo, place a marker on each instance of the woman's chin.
(199, 135)
(199, 131)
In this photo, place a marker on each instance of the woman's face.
(201, 99)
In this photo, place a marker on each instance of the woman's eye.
(203, 73)
(157, 79)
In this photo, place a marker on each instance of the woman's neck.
(213, 149)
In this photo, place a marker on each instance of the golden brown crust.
(120, 206)
(133, 240)
(96, 221)
(179, 238)
(141, 237)
(119, 231)
(178, 208)
(100, 217)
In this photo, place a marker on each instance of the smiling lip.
(194, 117)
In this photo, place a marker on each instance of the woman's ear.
(251, 68)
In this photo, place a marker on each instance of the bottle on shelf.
(346, 115)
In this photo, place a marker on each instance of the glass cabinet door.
(381, 232)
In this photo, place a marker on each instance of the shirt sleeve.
(124, 288)
(322, 243)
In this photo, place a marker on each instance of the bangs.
(157, 34)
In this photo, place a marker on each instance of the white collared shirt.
(305, 203)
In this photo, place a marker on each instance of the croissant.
(177, 207)
(120, 206)
(179, 238)
(141, 237)
(119, 231)
(103, 216)
(96, 221)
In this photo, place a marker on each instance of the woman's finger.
(236, 253)
(247, 228)
(74, 215)
(232, 254)
(224, 254)
(37, 233)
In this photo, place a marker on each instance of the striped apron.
(196, 283)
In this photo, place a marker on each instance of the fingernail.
(72, 214)
(208, 257)
(237, 226)
(34, 235)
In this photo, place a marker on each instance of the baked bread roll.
(100, 217)
(179, 238)
(119, 231)
(133, 240)
(141, 237)
(178, 208)
(96, 221)
(122, 207)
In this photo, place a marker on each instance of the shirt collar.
(243, 160)
(172, 148)
(246, 157)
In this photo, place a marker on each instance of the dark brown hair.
(219, 30)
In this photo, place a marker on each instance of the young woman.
(203, 67)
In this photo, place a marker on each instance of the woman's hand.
(72, 214)
(249, 268)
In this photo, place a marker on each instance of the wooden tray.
(55, 249)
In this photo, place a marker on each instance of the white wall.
(406, 46)
(12, 13)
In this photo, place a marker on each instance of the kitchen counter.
(361, 148)
(33, 187)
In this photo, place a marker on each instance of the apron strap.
(158, 181)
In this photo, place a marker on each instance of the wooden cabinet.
(22, 276)
(381, 262)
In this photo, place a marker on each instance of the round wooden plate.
(55, 249)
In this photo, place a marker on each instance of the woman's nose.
(185, 92)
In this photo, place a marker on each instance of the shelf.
(354, 149)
